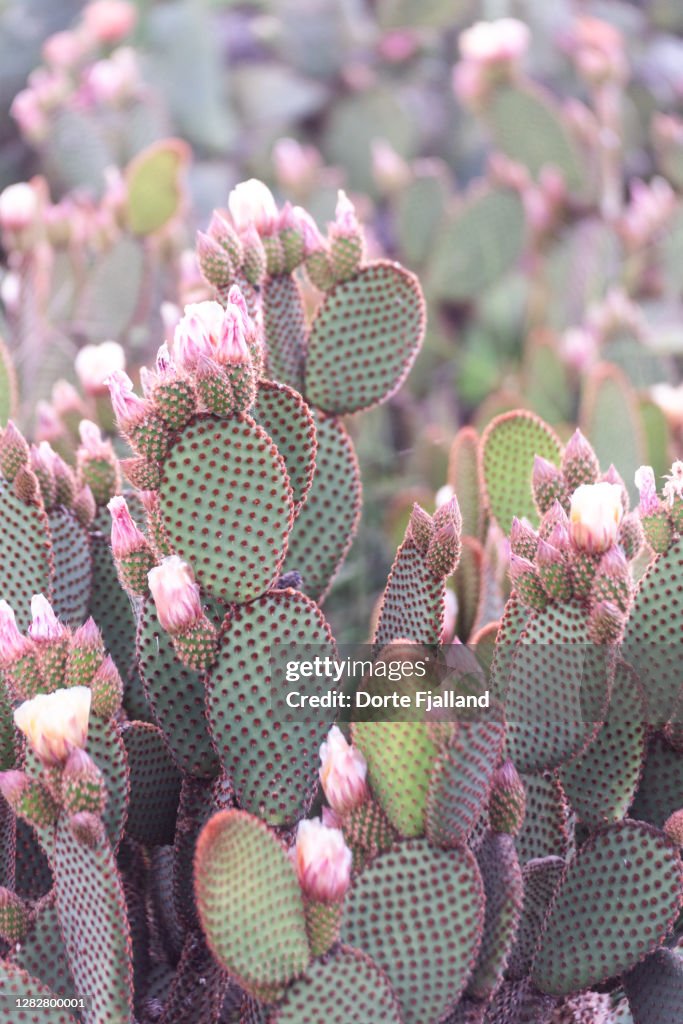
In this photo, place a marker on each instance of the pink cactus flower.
(95, 363)
(108, 21)
(128, 408)
(55, 723)
(13, 644)
(125, 535)
(647, 488)
(18, 207)
(342, 772)
(595, 515)
(175, 594)
(492, 42)
(322, 861)
(45, 626)
(252, 202)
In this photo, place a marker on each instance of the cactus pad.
(545, 830)
(591, 932)
(463, 477)
(418, 912)
(73, 567)
(345, 986)
(541, 878)
(335, 499)
(504, 892)
(110, 605)
(412, 606)
(42, 952)
(270, 752)
(107, 750)
(155, 786)
(226, 504)
(284, 323)
(92, 914)
(26, 562)
(655, 988)
(16, 983)
(508, 447)
(176, 696)
(364, 339)
(661, 785)
(250, 904)
(286, 418)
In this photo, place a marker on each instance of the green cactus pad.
(154, 786)
(250, 904)
(545, 831)
(463, 477)
(176, 696)
(16, 983)
(412, 606)
(460, 782)
(107, 750)
(364, 339)
(482, 240)
(420, 209)
(26, 560)
(111, 608)
(419, 913)
(32, 870)
(615, 904)
(502, 878)
(286, 418)
(559, 689)
(542, 141)
(93, 918)
(8, 385)
(660, 791)
(601, 783)
(42, 953)
(512, 625)
(73, 567)
(468, 583)
(655, 988)
(335, 500)
(610, 419)
(269, 751)
(284, 322)
(226, 504)
(651, 641)
(508, 447)
(345, 986)
(540, 878)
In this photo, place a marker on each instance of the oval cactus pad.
(26, 560)
(364, 339)
(227, 505)
(284, 415)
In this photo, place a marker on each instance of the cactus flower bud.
(313, 239)
(13, 645)
(579, 462)
(673, 826)
(14, 451)
(647, 489)
(252, 203)
(18, 207)
(595, 516)
(553, 571)
(527, 583)
(45, 626)
(507, 801)
(443, 553)
(175, 593)
(214, 260)
(126, 538)
(494, 42)
(548, 484)
(342, 772)
(322, 861)
(55, 723)
(523, 538)
(128, 408)
(108, 21)
(605, 623)
(107, 689)
(421, 528)
(82, 785)
(42, 464)
(95, 363)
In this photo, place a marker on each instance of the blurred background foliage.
(562, 298)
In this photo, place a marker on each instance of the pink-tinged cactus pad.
(73, 567)
(285, 417)
(155, 785)
(284, 322)
(26, 558)
(16, 983)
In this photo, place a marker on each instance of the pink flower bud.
(670, 401)
(345, 219)
(55, 723)
(673, 488)
(64, 49)
(252, 203)
(65, 398)
(13, 645)
(492, 42)
(125, 535)
(647, 488)
(595, 514)
(45, 625)
(175, 594)
(313, 240)
(18, 207)
(296, 166)
(95, 363)
(128, 408)
(48, 424)
(342, 772)
(27, 111)
(322, 861)
(93, 445)
(88, 635)
(109, 20)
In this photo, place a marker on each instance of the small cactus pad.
(463, 477)
(285, 417)
(176, 696)
(508, 447)
(468, 583)
(227, 506)
(345, 986)
(284, 322)
(502, 877)
(652, 639)
(26, 561)
(412, 606)
(92, 915)
(16, 983)
(544, 141)
(270, 752)
(110, 605)
(107, 750)
(591, 932)
(541, 878)
(655, 988)
(460, 782)
(601, 782)
(545, 830)
(419, 912)
(558, 692)
(155, 786)
(333, 500)
(364, 339)
(481, 241)
(250, 904)
(73, 567)
(610, 419)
